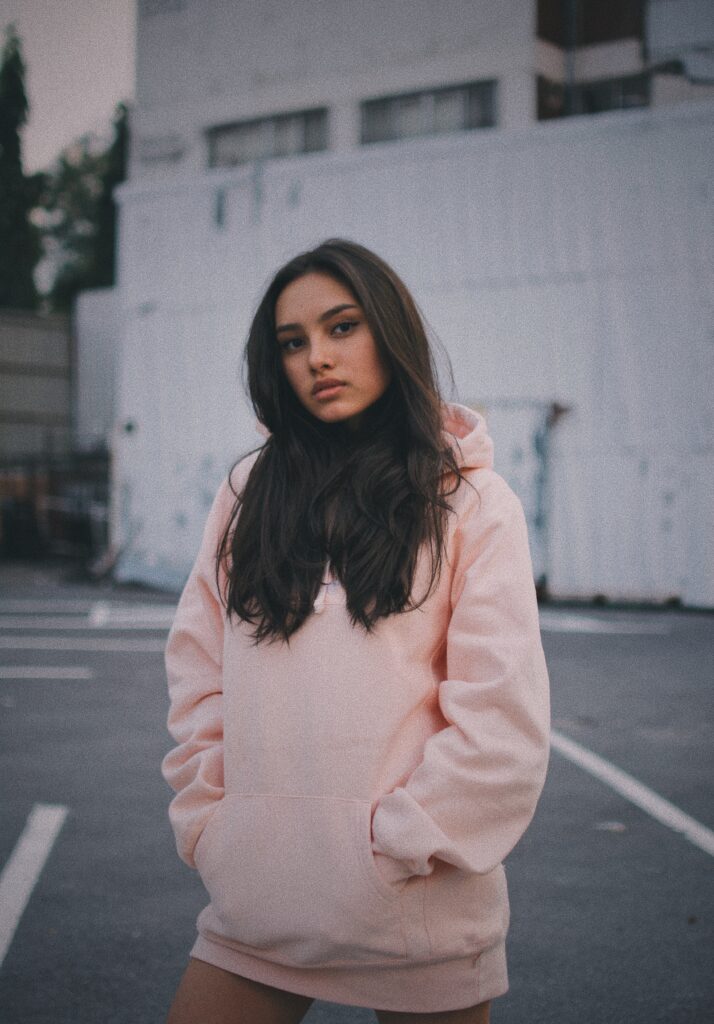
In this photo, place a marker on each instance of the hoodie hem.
(425, 987)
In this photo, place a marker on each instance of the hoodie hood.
(464, 429)
(466, 432)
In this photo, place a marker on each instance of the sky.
(79, 56)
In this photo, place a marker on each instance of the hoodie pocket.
(294, 877)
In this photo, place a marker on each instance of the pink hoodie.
(348, 800)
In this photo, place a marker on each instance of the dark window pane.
(612, 94)
(587, 22)
(481, 105)
(450, 110)
(315, 131)
(288, 136)
(377, 121)
(551, 99)
(409, 117)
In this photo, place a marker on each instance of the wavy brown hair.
(384, 484)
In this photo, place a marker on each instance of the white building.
(564, 263)
(220, 82)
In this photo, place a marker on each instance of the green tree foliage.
(80, 216)
(20, 243)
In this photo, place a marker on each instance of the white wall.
(567, 262)
(97, 330)
(202, 63)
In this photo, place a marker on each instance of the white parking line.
(33, 606)
(20, 874)
(79, 643)
(29, 605)
(156, 622)
(104, 613)
(99, 613)
(45, 672)
(637, 793)
(558, 622)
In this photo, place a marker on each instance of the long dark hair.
(385, 483)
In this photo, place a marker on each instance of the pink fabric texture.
(349, 799)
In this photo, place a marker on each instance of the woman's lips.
(325, 393)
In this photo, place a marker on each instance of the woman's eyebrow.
(323, 316)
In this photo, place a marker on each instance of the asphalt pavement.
(611, 890)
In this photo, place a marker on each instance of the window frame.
(267, 128)
(481, 94)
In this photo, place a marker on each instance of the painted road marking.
(79, 643)
(637, 793)
(553, 622)
(20, 874)
(155, 623)
(24, 606)
(99, 613)
(104, 613)
(45, 672)
(33, 606)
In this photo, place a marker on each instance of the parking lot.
(611, 888)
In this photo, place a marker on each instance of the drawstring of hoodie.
(330, 582)
(327, 578)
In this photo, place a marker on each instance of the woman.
(358, 691)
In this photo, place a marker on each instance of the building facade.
(224, 82)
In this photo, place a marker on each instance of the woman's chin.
(333, 414)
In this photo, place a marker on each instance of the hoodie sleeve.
(194, 660)
(475, 791)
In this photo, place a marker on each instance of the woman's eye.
(346, 324)
(284, 345)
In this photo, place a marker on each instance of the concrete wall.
(568, 262)
(97, 329)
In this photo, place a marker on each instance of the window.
(593, 97)
(429, 112)
(267, 137)
(613, 94)
(588, 22)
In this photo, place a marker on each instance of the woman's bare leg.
(209, 995)
(472, 1015)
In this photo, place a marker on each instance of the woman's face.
(323, 336)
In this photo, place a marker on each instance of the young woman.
(358, 691)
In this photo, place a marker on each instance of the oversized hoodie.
(349, 799)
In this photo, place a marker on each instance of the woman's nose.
(319, 353)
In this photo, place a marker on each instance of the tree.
(79, 214)
(20, 243)
(113, 173)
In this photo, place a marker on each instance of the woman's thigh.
(471, 1015)
(209, 995)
